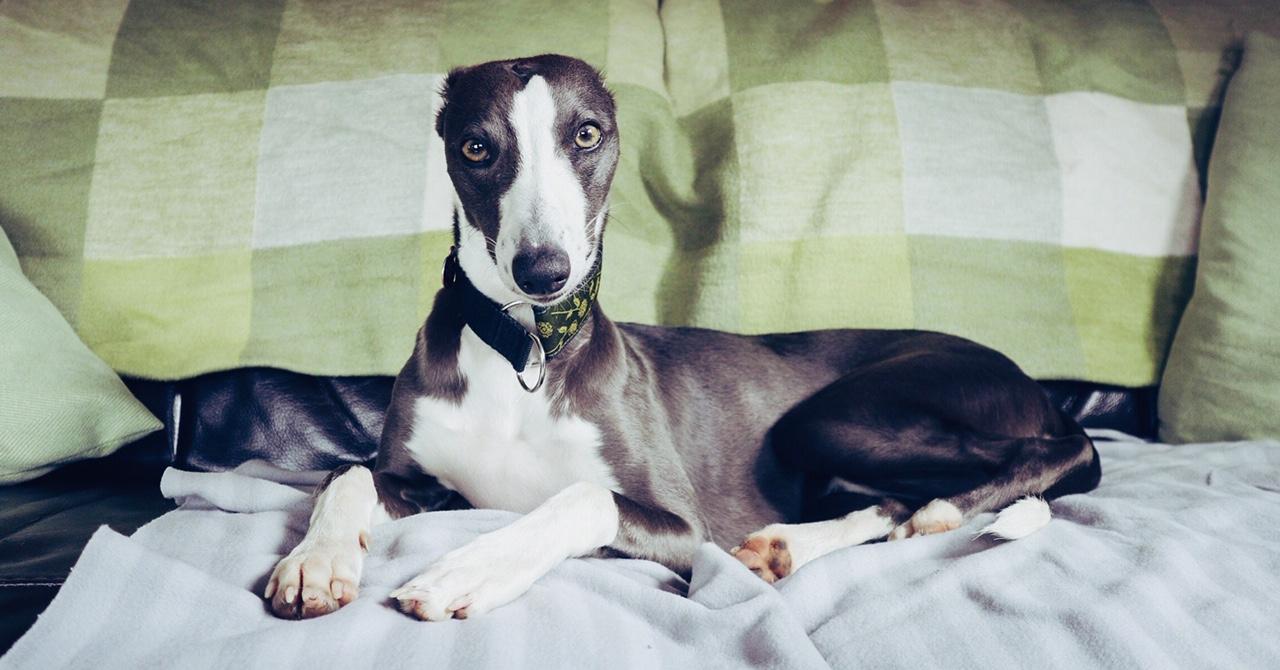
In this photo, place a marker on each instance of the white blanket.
(1174, 561)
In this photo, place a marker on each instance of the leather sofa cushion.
(45, 523)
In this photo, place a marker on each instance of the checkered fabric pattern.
(207, 185)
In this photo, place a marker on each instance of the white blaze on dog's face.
(531, 147)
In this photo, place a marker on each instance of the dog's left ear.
(444, 97)
(607, 91)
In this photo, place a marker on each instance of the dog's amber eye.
(475, 150)
(588, 136)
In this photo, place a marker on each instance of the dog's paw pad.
(314, 579)
(766, 555)
(433, 603)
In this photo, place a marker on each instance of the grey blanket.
(1174, 561)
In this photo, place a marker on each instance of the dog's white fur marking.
(324, 569)
(500, 566)
(473, 256)
(1020, 519)
(545, 203)
(501, 447)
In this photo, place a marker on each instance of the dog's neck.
(508, 331)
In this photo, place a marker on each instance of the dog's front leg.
(500, 566)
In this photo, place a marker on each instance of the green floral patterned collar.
(558, 323)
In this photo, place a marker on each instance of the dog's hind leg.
(1056, 466)
(941, 427)
(323, 572)
(1037, 467)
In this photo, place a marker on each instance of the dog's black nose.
(541, 270)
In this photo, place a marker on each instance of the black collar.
(556, 324)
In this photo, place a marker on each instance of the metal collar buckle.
(540, 363)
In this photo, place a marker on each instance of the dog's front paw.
(766, 554)
(469, 581)
(316, 578)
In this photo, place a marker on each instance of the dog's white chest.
(500, 447)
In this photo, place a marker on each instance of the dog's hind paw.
(939, 516)
(316, 578)
(765, 554)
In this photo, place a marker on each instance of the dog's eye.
(588, 136)
(475, 150)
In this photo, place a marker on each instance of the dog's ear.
(613, 100)
(444, 98)
(524, 70)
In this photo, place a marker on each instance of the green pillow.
(1222, 380)
(58, 402)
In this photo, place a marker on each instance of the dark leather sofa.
(302, 422)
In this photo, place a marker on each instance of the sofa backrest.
(258, 184)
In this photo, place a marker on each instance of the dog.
(627, 440)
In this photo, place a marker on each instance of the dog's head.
(531, 146)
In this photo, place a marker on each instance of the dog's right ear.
(444, 97)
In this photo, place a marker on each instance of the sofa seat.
(45, 523)
(302, 422)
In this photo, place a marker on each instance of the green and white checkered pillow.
(201, 186)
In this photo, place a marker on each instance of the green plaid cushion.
(200, 186)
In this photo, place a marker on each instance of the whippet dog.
(618, 439)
